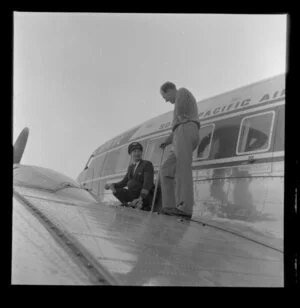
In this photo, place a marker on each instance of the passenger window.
(123, 159)
(205, 133)
(144, 143)
(110, 162)
(154, 152)
(255, 133)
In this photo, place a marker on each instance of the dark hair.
(167, 86)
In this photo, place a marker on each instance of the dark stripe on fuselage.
(235, 163)
(231, 164)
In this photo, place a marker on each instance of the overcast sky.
(81, 79)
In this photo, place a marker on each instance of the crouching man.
(139, 181)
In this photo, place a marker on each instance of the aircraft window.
(89, 173)
(104, 147)
(280, 129)
(97, 165)
(123, 138)
(118, 160)
(205, 133)
(89, 162)
(144, 143)
(95, 187)
(93, 168)
(80, 178)
(123, 159)
(110, 162)
(154, 152)
(255, 133)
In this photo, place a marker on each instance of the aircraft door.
(250, 193)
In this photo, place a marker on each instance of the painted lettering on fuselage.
(234, 106)
(165, 125)
(241, 104)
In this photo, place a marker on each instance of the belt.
(176, 125)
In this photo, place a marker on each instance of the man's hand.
(144, 193)
(110, 186)
(167, 141)
(163, 145)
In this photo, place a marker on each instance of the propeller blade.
(20, 145)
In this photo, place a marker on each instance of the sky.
(80, 79)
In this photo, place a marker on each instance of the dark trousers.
(124, 195)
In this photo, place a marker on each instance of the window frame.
(212, 135)
(270, 135)
(126, 167)
(107, 156)
(99, 171)
(145, 147)
(88, 163)
(148, 146)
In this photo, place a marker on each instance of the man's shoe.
(123, 204)
(146, 208)
(173, 211)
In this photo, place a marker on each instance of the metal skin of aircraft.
(68, 232)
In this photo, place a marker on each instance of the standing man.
(178, 197)
(139, 180)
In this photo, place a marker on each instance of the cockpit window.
(89, 162)
(255, 133)
(97, 165)
(123, 160)
(110, 162)
(154, 152)
(205, 134)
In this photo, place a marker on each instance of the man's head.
(135, 150)
(168, 92)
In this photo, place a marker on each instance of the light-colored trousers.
(176, 172)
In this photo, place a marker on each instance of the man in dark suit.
(139, 181)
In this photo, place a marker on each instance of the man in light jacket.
(178, 197)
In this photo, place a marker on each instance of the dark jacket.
(143, 177)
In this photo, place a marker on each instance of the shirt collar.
(134, 164)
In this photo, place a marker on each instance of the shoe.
(146, 208)
(123, 204)
(173, 211)
(136, 203)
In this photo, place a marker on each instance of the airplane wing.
(64, 236)
(60, 239)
